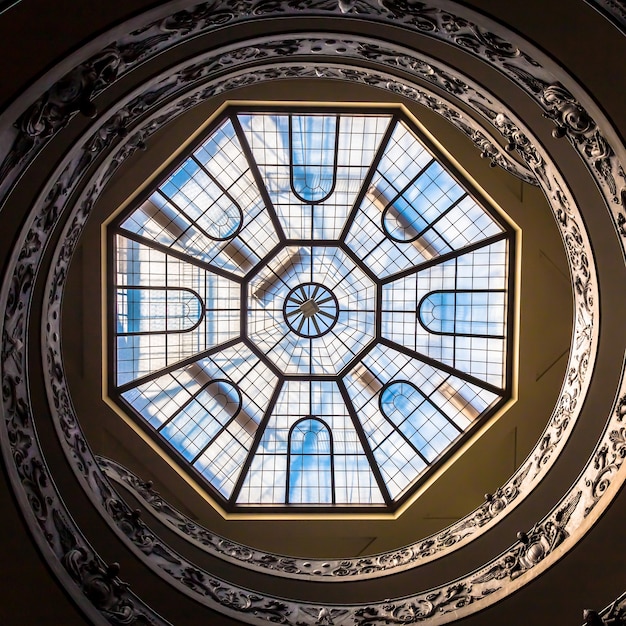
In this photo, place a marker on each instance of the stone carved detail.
(100, 583)
(606, 462)
(392, 58)
(438, 602)
(252, 558)
(54, 109)
(533, 546)
(614, 10)
(573, 121)
(71, 94)
(13, 349)
(612, 615)
(74, 92)
(188, 102)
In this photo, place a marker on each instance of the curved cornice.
(121, 134)
(165, 97)
(613, 10)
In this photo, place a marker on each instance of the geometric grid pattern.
(310, 309)
(454, 311)
(269, 323)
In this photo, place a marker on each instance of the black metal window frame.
(115, 391)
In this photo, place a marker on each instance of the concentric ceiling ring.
(569, 505)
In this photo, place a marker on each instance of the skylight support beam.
(325, 301)
(258, 179)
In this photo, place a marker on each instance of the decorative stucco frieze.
(534, 550)
(563, 418)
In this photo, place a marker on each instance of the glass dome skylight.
(310, 309)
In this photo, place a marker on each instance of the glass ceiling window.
(311, 309)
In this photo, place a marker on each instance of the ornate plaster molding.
(181, 85)
(613, 10)
(535, 550)
(612, 615)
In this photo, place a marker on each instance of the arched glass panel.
(142, 310)
(418, 419)
(313, 140)
(467, 313)
(204, 417)
(310, 475)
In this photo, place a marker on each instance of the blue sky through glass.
(311, 309)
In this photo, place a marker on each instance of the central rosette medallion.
(311, 310)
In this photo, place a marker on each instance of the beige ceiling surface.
(544, 333)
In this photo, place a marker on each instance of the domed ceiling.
(247, 334)
(310, 309)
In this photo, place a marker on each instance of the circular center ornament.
(311, 310)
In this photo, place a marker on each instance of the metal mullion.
(317, 243)
(216, 181)
(228, 195)
(263, 261)
(511, 293)
(185, 404)
(291, 165)
(378, 317)
(361, 354)
(262, 356)
(333, 494)
(384, 142)
(359, 262)
(246, 374)
(454, 336)
(111, 308)
(255, 443)
(380, 243)
(431, 226)
(442, 366)
(279, 278)
(166, 334)
(365, 444)
(182, 256)
(407, 440)
(414, 269)
(438, 408)
(188, 217)
(396, 428)
(258, 179)
(223, 427)
(171, 368)
(410, 183)
(309, 377)
(243, 309)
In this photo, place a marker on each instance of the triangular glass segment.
(313, 166)
(310, 453)
(210, 208)
(209, 411)
(411, 412)
(167, 310)
(454, 312)
(414, 211)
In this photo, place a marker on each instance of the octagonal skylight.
(311, 309)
